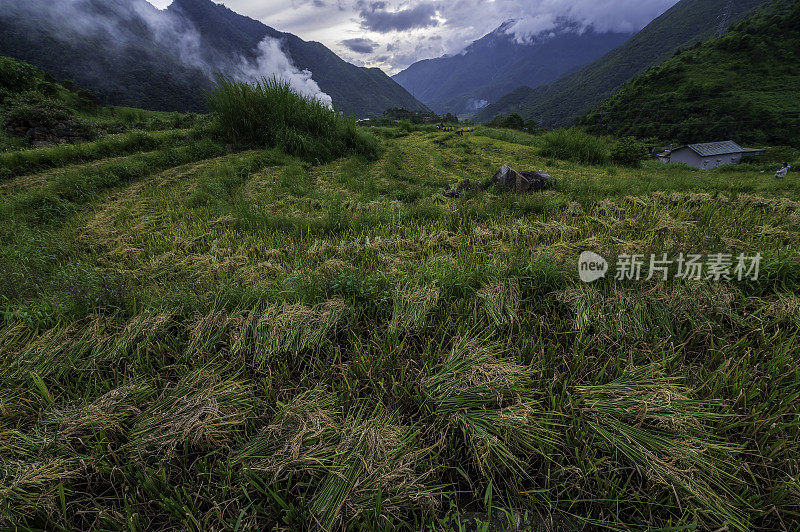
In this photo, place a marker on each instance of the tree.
(450, 118)
(514, 121)
(531, 126)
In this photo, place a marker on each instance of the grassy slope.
(744, 86)
(239, 340)
(145, 129)
(566, 100)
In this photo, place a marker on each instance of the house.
(708, 155)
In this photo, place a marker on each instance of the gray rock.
(521, 182)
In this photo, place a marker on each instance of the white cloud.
(273, 62)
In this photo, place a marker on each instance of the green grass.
(17, 163)
(575, 145)
(195, 339)
(508, 135)
(270, 114)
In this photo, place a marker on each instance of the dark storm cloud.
(359, 46)
(376, 17)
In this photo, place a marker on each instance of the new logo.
(591, 267)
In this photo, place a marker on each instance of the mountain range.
(499, 62)
(130, 53)
(562, 102)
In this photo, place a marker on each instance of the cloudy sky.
(392, 34)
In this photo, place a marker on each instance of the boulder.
(521, 182)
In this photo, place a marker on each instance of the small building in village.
(708, 155)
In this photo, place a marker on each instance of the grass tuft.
(269, 113)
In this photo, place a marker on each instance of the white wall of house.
(687, 156)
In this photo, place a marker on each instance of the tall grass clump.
(268, 113)
(575, 145)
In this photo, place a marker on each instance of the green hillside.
(36, 111)
(564, 101)
(744, 86)
(497, 63)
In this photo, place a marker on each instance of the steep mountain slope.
(497, 63)
(133, 54)
(562, 102)
(119, 62)
(744, 85)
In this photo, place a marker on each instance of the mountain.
(497, 63)
(131, 53)
(126, 68)
(366, 92)
(567, 99)
(744, 86)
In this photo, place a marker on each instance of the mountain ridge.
(497, 63)
(568, 98)
(742, 86)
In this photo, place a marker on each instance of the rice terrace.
(269, 315)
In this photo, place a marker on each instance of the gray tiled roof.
(716, 148)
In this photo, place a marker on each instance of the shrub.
(628, 152)
(514, 121)
(30, 111)
(777, 155)
(16, 76)
(270, 114)
(575, 145)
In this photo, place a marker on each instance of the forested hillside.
(126, 70)
(566, 100)
(744, 85)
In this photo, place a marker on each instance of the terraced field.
(205, 340)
